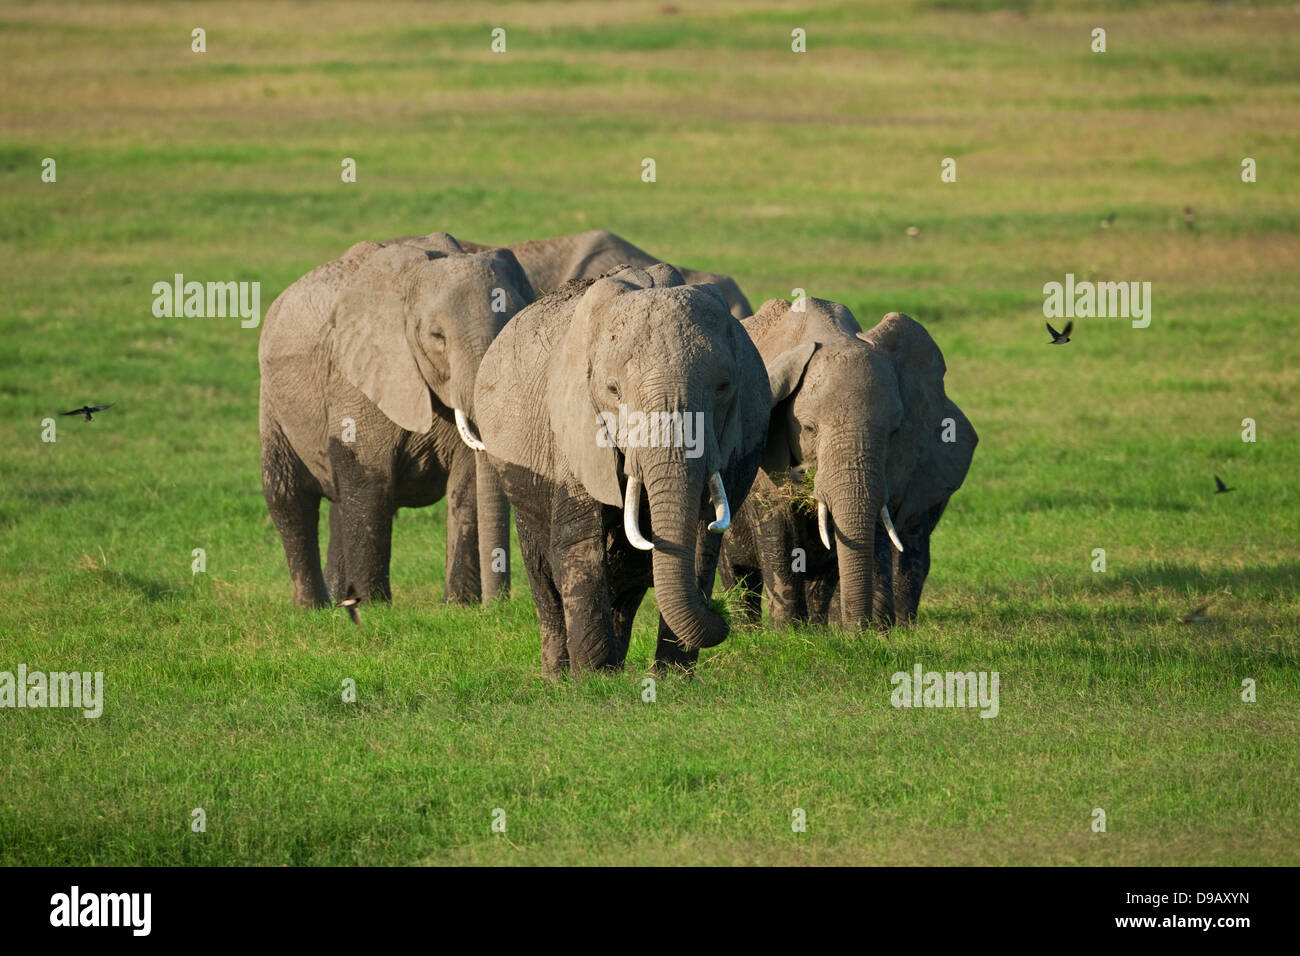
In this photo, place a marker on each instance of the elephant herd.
(646, 428)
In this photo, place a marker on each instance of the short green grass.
(786, 171)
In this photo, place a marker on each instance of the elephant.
(368, 366)
(549, 263)
(553, 398)
(869, 422)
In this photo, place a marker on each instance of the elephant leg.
(366, 507)
(369, 541)
(335, 564)
(668, 650)
(624, 613)
(294, 503)
(462, 575)
(833, 618)
(578, 552)
(546, 596)
(912, 567)
(785, 605)
(785, 597)
(819, 594)
(882, 580)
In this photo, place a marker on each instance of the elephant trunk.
(854, 498)
(676, 494)
(493, 509)
(464, 372)
(493, 531)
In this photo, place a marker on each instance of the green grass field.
(785, 170)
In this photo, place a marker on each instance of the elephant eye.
(612, 388)
(438, 338)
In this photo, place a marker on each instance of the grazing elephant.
(368, 365)
(592, 393)
(868, 411)
(549, 263)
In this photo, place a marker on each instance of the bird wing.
(1219, 482)
(1068, 327)
(75, 411)
(1055, 334)
(100, 408)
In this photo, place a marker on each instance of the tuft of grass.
(732, 604)
(796, 492)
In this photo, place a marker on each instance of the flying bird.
(1197, 616)
(1220, 487)
(1189, 217)
(351, 605)
(1060, 338)
(87, 409)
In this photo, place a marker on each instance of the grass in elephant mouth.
(796, 493)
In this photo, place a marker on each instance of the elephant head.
(869, 413)
(410, 329)
(643, 384)
(414, 321)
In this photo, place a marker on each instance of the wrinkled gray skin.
(389, 336)
(868, 411)
(643, 339)
(549, 263)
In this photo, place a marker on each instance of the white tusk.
(631, 515)
(824, 524)
(889, 526)
(467, 436)
(721, 508)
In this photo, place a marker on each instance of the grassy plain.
(783, 170)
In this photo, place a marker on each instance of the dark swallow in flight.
(1220, 487)
(1059, 338)
(87, 409)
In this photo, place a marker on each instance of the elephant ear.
(569, 402)
(920, 368)
(743, 433)
(370, 341)
(785, 372)
(944, 469)
(784, 376)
